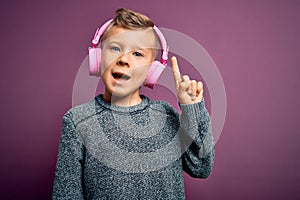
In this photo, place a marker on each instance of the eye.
(137, 54)
(114, 48)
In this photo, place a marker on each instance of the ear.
(94, 61)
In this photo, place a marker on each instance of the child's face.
(126, 57)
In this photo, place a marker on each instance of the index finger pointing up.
(175, 69)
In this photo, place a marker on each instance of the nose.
(123, 60)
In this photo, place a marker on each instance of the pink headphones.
(155, 69)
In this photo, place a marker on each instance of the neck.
(124, 101)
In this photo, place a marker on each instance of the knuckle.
(186, 77)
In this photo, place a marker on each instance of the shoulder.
(163, 106)
(81, 112)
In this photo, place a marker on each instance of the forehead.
(141, 37)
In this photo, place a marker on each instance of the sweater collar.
(144, 103)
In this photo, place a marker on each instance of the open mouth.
(120, 76)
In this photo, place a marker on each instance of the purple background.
(255, 44)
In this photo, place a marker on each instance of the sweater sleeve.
(196, 139)
(68, 176)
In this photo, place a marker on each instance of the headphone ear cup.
(94, 61)
(154, 72)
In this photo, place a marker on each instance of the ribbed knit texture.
(136, 152)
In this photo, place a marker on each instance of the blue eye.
(137, 54)
(113, 48)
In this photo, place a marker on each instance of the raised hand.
(188, 91)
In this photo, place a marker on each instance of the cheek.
(103, 63)
(107, 59)
(141, 72)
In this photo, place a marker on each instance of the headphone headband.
(165, 49)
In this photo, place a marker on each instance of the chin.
(122, 92)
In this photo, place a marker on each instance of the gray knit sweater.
(136, 152)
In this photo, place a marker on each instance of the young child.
(121, 144)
